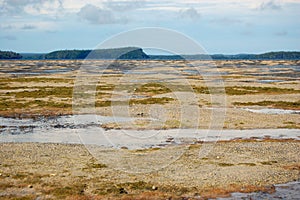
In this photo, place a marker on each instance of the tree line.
(138, 53)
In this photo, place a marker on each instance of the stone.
(154, 187)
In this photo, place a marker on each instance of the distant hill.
(118, 53)
(282, 55)
(33, 56)
(138, 53)
(9, 55)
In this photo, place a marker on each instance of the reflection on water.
(21, 126)
(272, 111)
(269, 81)
(86, 129)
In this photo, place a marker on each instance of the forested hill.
(9, 55)
(282, 55)
(138, 53)
(118, 53)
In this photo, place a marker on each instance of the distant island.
(134, 53)
(281, 55)
(9, 55)
(116, 53)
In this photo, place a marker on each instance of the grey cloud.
(227, 21)
(125, 5)
(190, 13)
(28, 27)
(247, 33)
(16, 7)
(270, 5)
(7, 27)
(96, 15)
(281, 33)
(8, 37)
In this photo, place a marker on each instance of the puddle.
(85, 129)
(289, 190)
(269, 81)
(38, 72)
(20, 126)
(272, 111)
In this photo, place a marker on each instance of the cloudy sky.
(220, 26)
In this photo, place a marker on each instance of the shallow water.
(38, 72)
(269, 81)
(20, 126)
(289, 190)
(272, 111)
(85, 129)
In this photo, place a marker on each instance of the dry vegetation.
(57, 171)
(52, 94)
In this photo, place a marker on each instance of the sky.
(219, 26)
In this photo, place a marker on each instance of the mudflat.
(156, 95)
(162, 94)
(69, 171)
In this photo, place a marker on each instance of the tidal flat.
(147, 96)
(70, 171)
(164, 93)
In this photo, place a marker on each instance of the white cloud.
(125, 5)
(54, 8)
(48, 7)
(36, 25)
(31, 7)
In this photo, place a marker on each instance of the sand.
(59, 171)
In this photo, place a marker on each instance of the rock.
(154, 187)
(169, 139)
(30, 186)
(122, 191)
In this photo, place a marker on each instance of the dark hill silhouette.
(135, 53)
(9, 55)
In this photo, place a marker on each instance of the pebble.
(122, 191)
